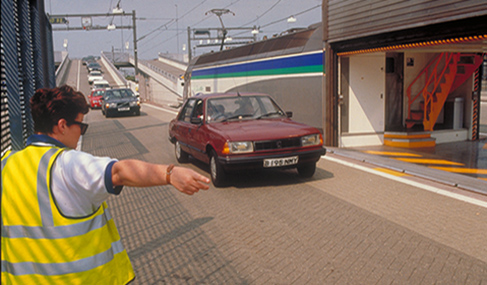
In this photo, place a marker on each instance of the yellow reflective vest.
(39, 244)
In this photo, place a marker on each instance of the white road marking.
(412, 183)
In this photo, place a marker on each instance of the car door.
(182, 127)
(196, 135)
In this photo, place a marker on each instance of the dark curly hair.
(48, 106)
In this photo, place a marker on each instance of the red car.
(243, 131)
(95, 98)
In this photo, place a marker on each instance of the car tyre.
(181, 155)
(217, 172)
(307, 170)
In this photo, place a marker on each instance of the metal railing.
(27, 64)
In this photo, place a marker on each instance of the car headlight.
(311, 140)
(111, 105)
(238, 147)
(134, 103)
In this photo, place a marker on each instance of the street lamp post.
(219, 13)
(136, 64)
(177, 28)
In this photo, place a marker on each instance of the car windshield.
(242, 108)
(98, 93)
(119, 93)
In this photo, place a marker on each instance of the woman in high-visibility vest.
(56, 227)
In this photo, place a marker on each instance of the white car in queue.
(100, 84)
(94, 76)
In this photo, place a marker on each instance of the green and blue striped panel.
(309, 63)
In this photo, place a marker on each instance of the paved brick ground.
(345, 226)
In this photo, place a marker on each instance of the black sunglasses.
(82, 126)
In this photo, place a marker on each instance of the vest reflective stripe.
(43, 188)
(45, 247)
(4, 162)
(7, 155)
(58, 232)
(85, 264)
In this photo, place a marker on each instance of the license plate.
(121, 109)
(278, 162)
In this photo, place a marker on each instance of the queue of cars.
(114, 101)
(111, 101)
(232, 131)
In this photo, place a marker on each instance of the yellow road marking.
(483, 178)
(428, 161)
(485, 146)
(461, 170)
(390, 153)
(392, 172)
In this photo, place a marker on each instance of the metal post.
(219, 13)
(43, 36)
(135, 44)
(189, 44)
(177, 29)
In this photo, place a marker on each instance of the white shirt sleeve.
(79, 182)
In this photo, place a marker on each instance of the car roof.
(115, 89)
(229, 94)
(100, 82)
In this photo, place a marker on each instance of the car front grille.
(123, 104)
(277, 144)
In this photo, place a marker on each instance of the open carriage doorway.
(394, 92)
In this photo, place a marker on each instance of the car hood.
(264, 129)
(121, 100)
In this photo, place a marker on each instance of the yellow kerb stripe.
(429, 161)
(390, 171)
(390, 153)
(461, 170)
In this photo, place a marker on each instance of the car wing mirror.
(289, 114)
(196, 120)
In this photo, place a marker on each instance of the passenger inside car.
(198, 110)
(215, 112)
(245, 107)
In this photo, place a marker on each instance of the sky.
(161, 25)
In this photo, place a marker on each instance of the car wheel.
(106, 114)
(137, 113)
(307, 170)
(216, 170)
(181, 155)
(103, 112)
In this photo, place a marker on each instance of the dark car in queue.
(95, 98)
(120, 101)
(232, 132)
(93, 66)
